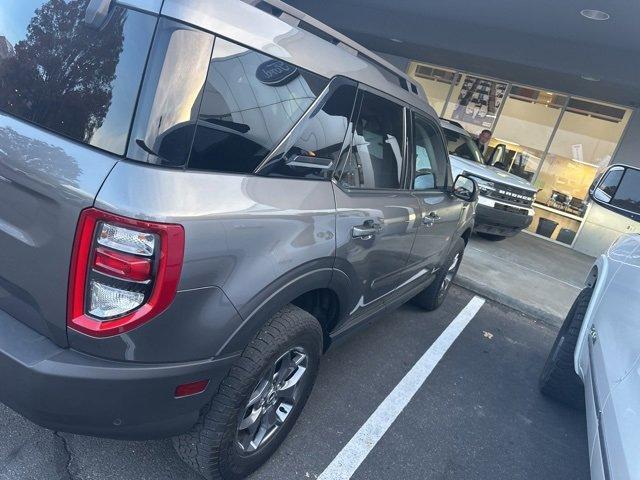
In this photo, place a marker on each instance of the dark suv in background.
(190, 216)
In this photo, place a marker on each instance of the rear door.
(439, 209)
(67, 95)
(377, 216)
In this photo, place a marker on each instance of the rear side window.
(171, 94)
(249, 103)
(376, 156)
(62, 75)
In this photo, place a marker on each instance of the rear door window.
(65, 76)
(313, 148)
(377, 148)
(250, 101)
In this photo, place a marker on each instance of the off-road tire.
(210, 447)
(558, 379)
(431, 298)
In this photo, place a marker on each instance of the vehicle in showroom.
(505, 202)
(595, 360)
(193, 208)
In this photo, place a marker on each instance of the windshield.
(462, 146)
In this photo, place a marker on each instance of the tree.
(62, 73)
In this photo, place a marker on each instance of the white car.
(595, 360)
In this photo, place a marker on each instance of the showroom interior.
(558, 86)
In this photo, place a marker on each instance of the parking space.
(478, 415)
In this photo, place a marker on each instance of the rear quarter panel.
(247, 238)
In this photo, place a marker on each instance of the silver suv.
(198, 198)
(505, 203)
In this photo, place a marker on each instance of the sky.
(15, 16)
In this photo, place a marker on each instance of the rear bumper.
(65, 390)
(501, 219)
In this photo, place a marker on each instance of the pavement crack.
(68, 457)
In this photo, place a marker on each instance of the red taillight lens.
(122, 265)
(123, 272)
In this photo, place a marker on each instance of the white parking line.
(353, 454)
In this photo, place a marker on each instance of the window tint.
(171, 94)
(428, 156)
(63, 75)
(375, 160)
(611, 180)
(313, 148)
(462, 146)
(627, 195)
(249, 103)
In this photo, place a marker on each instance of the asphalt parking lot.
(478, 415)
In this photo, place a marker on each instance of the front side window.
(627, 194)
(462, 146)
(428, 156)
(249, 103)
(66, 76)
(611, 181)
(375, 160)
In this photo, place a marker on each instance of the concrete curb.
(490, 293)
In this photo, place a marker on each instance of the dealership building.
(558, 84)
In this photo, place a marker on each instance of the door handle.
(431, 218)
(367, 230)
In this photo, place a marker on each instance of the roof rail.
(337, 38)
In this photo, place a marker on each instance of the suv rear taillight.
(123, 273)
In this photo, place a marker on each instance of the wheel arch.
(596, 281)
(314, 289)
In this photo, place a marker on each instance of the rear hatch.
(67, 97)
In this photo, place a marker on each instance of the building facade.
(557, 141)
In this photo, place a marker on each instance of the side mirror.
(498, 155)
(465, 188)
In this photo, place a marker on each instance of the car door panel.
(377, 216)
(439, 210)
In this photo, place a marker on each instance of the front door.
(439, 209)
(377, 216)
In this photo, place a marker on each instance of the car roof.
(281, 31)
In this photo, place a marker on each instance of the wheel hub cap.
(272, 400)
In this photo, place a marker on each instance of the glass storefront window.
(475, 102)
(436, 81)
(525, 127)
(581, 148)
